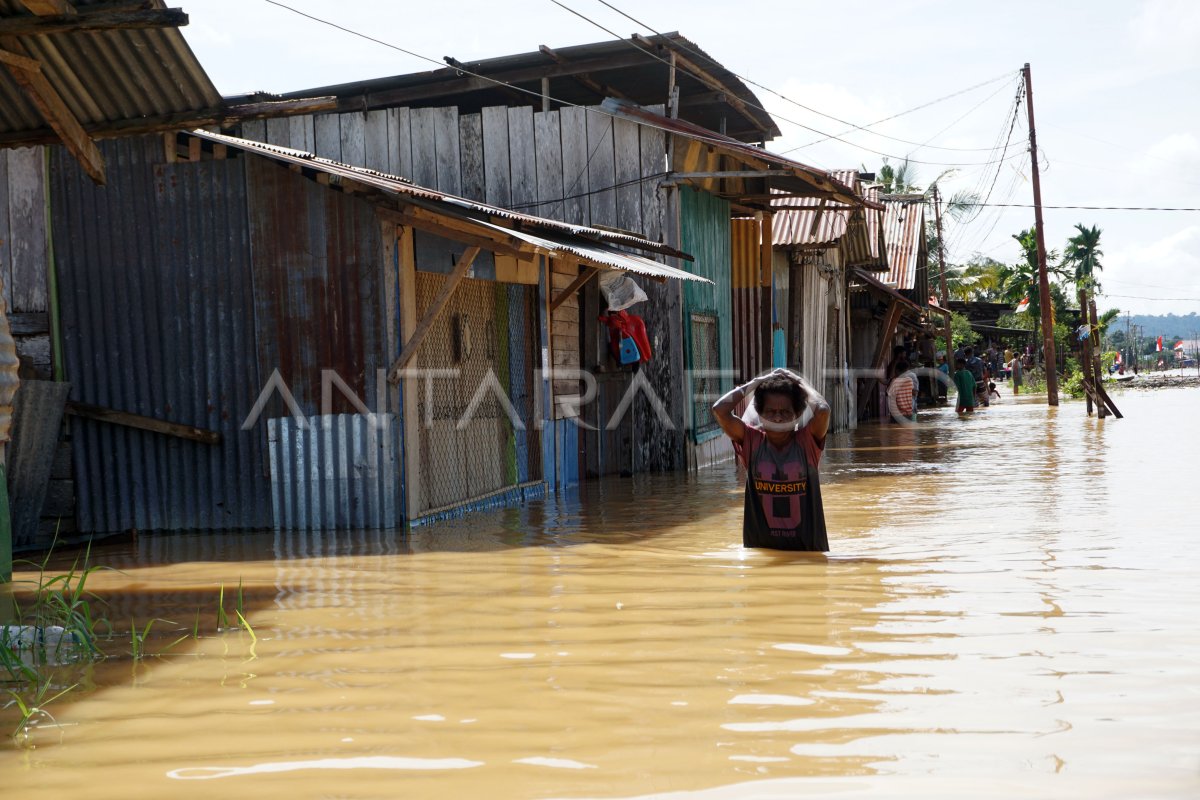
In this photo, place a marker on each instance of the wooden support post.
(573, 287)
(890, 320)
(1095, 337)
(27, 73)
(1090, 377)
(431, 314)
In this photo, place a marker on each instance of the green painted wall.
(704, 232)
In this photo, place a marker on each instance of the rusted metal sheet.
(803, 221)
(746, 296)
(449, 203)
(318, 301)
(107, 76)
(904, 233)
(156, 296)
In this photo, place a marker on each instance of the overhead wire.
(648, 54)
(853, 126)
(461, 68)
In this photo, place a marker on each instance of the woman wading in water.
(781, 450)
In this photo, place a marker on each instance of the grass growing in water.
(61, 623)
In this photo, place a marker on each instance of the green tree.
(1084, 253)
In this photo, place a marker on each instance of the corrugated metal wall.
(335, 472)
(157, 308)
(746, 294)
(558, 164)
(704, 232)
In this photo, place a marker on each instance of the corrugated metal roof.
(591, 245)
(106, 76)
(871, 281)
(904, 233)
(811, 220)
(819, 179)
(618, 66)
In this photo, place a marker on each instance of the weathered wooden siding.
(24, 258)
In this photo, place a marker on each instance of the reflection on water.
(1008, 609)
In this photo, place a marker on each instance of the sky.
(1115, 86)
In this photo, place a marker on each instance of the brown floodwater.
(1009, 609)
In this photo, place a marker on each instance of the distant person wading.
(779, 440)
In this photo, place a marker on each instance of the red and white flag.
(1158, 345)
(1023, 306)
(1179, 345)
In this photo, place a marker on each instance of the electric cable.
(648, 54)
(752, 82)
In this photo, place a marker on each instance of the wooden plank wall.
(23, 256)
(561, 164)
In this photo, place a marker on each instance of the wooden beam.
(520, 98)
(18, 61)
(573, 287)
(702, 75)
(442, 83)
(54, 110)
(50, 8)
(602, 89)
(221, 116)
(890, 319)
(102, 414)
(431, 314)
(86, 21)
(737, 173)
(477, 239)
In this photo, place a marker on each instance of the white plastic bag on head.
(620, 290)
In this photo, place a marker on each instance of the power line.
(648, 54)
(714, 139)
(1174, 299)
(1088, 208)
(853, 126)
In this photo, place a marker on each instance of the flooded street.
(1008, 609)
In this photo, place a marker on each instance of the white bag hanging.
(620, 290)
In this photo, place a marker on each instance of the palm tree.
(897, 180)
(1083, 252)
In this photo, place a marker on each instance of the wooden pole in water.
(1050, 357)
(1086, 355)
(937, 215)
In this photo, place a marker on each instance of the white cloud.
(1168, 267)
(1166, 32)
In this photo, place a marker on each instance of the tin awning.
(491, 227)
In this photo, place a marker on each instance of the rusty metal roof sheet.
(800, 221)
(904, 233)
(105, 76)
(591, 245)
(820, 180)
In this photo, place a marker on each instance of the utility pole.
(1050, 357)
(937, 215)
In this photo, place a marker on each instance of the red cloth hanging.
(621, 324)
